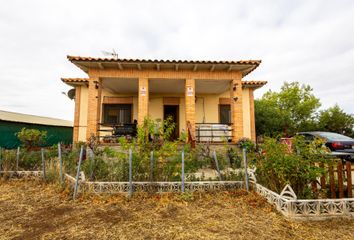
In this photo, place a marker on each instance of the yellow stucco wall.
(156, 108)
(83, 113)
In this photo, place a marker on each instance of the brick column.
(94, 106)
(143, 99)
(236, 107)
(190, 102)
(77, 114)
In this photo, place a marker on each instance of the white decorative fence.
(286, 202)
(22, 174)
(123, 187)
(313, 209)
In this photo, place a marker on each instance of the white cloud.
(306, 41)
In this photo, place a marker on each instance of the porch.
(166, 98)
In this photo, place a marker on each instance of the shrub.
(234, 156)
(31, 138)
(276, 166)
(246, 143)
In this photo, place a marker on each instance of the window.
(225, 114)
(117, 113)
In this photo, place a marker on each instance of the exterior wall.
(246, 113)
(156, 108)
(83, 113)
(252, 121)
(94, 106)
(77, 113)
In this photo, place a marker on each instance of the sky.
(311, 42)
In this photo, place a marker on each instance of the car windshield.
(334, 136)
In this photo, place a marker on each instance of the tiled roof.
(74, 80)
(85, 80)
(254, 83)
(93, 59)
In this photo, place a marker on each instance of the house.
(58, 130)
(208, 99)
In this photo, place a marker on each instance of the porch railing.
(213, 132)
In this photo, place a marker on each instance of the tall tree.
(288, 111)
(334, 119)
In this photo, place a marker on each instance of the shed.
(58, 130)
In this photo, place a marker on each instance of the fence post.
(43, 164)
(130, 193)
(246, 170)
(217, 165)
(182, 176)
(349, 179)
(151, 165)
(60, 163)
(17, 157)
(340, 179)
(78, 172)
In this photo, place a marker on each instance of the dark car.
(337, 143)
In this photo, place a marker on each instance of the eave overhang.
(86, 63)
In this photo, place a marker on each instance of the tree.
(269, 118)
(288, 111)
(334, 119)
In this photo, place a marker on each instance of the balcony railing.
(213, 132)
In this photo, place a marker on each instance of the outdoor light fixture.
(96, 84)
(234, 87)
(235, 98)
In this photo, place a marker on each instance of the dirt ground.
(33, 210)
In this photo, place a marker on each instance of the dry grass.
(32, 210)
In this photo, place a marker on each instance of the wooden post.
(17, 157)
(182, 176)
(331, 181)
(151, 166)
(60, 164)
(78, 172)
(244, 151)
(130, 193)
(340, 179)
(349, 179)
(43, 164)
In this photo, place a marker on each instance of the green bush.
(246, 143)
(31, 138)
(276, 166)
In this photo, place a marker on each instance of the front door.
(172, 111)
